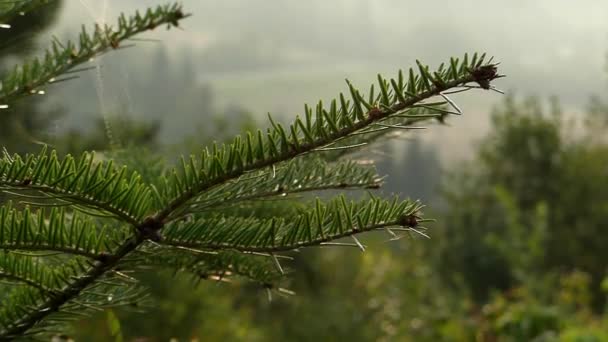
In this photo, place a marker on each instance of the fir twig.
(168, 220)
(61, 58)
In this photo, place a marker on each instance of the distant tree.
(416, 170)
(535, 190)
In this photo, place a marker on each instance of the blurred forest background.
(518, 185)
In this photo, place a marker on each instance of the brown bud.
(410, 221)
(149, 229)
(375, 113)
(484, 74)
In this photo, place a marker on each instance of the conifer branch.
(62, 58)
(218, 266)
(107, 292)
(257, 152)
(26, 271)
(53, 304)
(323, 223)
(44, 249)
(98, 186)
(55, 231)
(298, 176)
(254, 153)
(11, 9)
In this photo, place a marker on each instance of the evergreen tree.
(530, 204)
(83, 227)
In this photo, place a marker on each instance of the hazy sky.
(276, 54)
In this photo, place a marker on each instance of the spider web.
(99, 16)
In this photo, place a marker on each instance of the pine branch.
(257, 151)
(11, 9)
(28, 312)
(208, 265)
(297, 176)
(27, 271)
(321, 225)
(324, 223)
(404, 122)
(97, 187)
(108, 292)
(61, 58)
(55, 231)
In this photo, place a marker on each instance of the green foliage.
(524, 227)
(593, 333)
(99, 186)
(317, 226)
(185, 308)
(57, 231)
(114, 326)
(532, 190)
(501, 201)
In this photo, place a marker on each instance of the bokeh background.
(519, 184)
